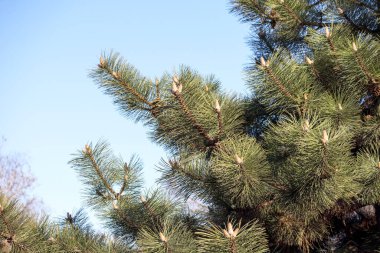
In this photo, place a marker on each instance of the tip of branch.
(340, 106)
(176, 85)
(230, 229)
(1, 208)
(328, 33)
(378, 165)
(87, 149)
(217, 105)
(115, 205)
(230, 232)
(102, 62)
(226, 234)
(51, 239)
(354, 47)
(142, 198)
(239, 160)
(308, 60)
(263, 62)
(162, 237)
(306, 125)
(340, 11)
(115, 75)
(325, 137)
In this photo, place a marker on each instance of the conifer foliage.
(295, 167)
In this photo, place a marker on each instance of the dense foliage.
(295, 167)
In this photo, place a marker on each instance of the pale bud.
(378, 165)
(126, 177)
(340, 106)
(238, 159)
(281, 1)
(226, 234)
(206, 88)
(102, 62)
(162, 237)
(180, 87)
(262, 62)
(306, 96)
(306, 125)
(230, 229)
(217, 105)
(176, 85)
(340, 11)
(87, 149)
(235, 233)
(142, 198)
(115, 205)
(51, 239)
(325, 137)
(354, 47)
(115, 74)
(308, 60)
(1, 208)
(328, 34)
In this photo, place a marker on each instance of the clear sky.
(49, 107)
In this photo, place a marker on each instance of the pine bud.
(238, 159)
(1, 208)
(262, 62)
(308, 61)
(235, 233)
(325, 137)
(306, 126)
(87, 149)
(206, 88)
(340, 11)
(217, 106)
(5, 246)
(340, 106)
(126, 177)
(102, 62)
(328, 34)
(115, 75)
(378, 165)
(142, 198)
(174, 88)
(230, 229)
(354, 47)
(176, 85)
(115, 205)
(180, 87)
(162, 237)
(281, 1)
(52, 239)
(306, 96)
(226, 234)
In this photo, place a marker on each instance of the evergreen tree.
(295, 167)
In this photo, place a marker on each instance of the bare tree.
(16, 179)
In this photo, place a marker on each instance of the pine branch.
(177, 93)
(276, 81)
(89, 154)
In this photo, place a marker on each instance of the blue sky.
(49, 107)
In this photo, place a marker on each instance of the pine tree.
(295, 167)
